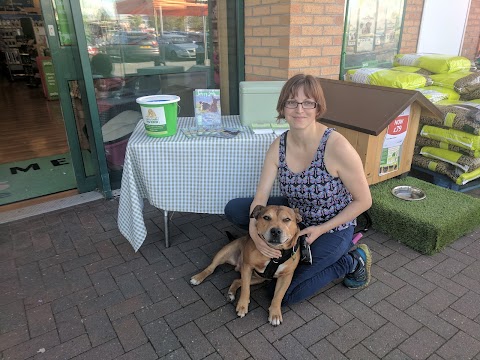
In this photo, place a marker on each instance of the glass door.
(74, 81)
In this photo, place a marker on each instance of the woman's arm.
(264, 188)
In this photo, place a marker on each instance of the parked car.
(133, 46)
(178, 47)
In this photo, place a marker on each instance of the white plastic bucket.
(159, 114)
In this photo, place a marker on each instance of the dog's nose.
(276, 232)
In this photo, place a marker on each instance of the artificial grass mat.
(425, 225)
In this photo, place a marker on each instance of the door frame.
(72, 62)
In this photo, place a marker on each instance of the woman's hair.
(311, 88)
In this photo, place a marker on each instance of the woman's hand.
(266, 250)
(312, 233)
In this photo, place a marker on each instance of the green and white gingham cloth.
(198, 175)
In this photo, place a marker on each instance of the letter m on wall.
(15, 170)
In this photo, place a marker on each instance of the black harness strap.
(273, 265)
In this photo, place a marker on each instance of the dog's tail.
(230, 236)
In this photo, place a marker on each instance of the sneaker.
(359, 278)
(305, 253)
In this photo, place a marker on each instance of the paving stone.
(12, 317)
(129, 266)
(331, 309)
(194, 342)
(67, 349)
(99, 328)
(129, 306)
(387, 277)
(157, 310)
(103, 282)
(365, 314)
(433, 322)
(100, 303)
(315, 330)
(184, 292)
(129, 285)
(106, 249)
(227, 346)
(186, 314)
(460, 346)
(31, 347)
(374, 293)
(255, 318)
(397, 317)
(384, 340)
(445, 283)
(438, 300)
(69, 324)
(415, 280)
(187, 269)
(104, 264)
(81, 261)
(144, 352)
(40, 320)
(291, 321)
(77, 279)
(155, 288)
(405, 297)
(349, 335)
(468, 305)
(393, 262)
(161, 337)
(216, 318)
(305, 310)
(421, 264)
(259, 347)
(74, 299)
(129, 332)
(14, 337)
(468, 326)
(291, 348)
(422, 344)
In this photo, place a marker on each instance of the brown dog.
(278, 226)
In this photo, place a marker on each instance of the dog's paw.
(231, 297)
(195, 280)
(275, 317)
(242, 310)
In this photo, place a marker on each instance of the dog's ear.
(298, 217)
(256, 211)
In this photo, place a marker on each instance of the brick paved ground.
(71, 287)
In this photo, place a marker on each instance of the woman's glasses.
(292, 104)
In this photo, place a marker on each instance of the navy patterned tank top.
(314, 192)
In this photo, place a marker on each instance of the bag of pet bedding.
(452, 136)
(436, 63)
(464, 162)
(411, 69)
(388, 78)
(463, 82)
(442, 167)
(473, 103)
(460, 117)
(437, 93)
(421, 141)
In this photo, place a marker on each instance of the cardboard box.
(258, 101)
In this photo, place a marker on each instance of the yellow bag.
(463, 82)
(436, 63)
(386, 77)
(452, 136)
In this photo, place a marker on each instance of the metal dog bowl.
(408, 193)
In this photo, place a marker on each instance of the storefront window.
(372, 33)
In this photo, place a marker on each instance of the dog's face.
(277, 225)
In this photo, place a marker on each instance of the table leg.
(165, 221)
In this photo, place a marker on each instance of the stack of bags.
(450, 146)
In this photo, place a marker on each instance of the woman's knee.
(237, 211)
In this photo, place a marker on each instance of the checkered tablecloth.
(198, 175)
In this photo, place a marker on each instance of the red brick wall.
(471, 39)
(411, 26)
(285, 37)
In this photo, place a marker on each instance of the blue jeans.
(329, 253)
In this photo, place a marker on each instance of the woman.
(321, 174)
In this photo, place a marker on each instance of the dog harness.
(273, 265)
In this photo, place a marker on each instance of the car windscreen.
(141, 39)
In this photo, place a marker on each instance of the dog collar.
(273, 265)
